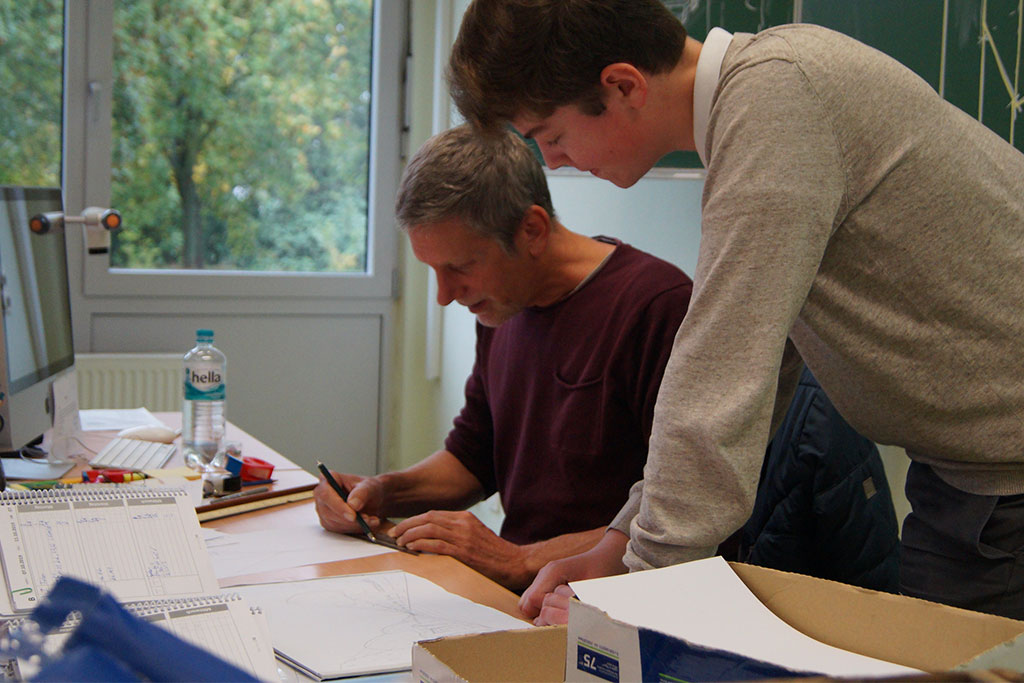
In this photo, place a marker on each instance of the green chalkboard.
(970, 51)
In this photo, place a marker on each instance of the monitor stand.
(31, 451)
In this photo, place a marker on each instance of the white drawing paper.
(272, 549)
(365, 623)
(706, 603)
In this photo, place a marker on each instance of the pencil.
(242, 494)
(344, 496)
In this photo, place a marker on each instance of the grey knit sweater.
(854, 217)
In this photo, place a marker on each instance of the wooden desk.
(289, 479)
(445, 571)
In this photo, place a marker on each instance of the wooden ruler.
(250, 505)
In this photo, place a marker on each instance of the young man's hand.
(555, 607)
(546, 601)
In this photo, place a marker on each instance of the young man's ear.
(534, 230)
(625, 81)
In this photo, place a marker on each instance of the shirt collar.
(709, 66)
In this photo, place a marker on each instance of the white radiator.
(129, 380)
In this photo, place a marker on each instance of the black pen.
(344, 496)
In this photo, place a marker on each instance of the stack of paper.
(705, 603)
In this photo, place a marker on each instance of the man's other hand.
(463, 536)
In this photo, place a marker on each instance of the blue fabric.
(667, 659)
(112, 644)
(823, 505)
(85, 665)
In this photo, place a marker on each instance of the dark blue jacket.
(823, 505)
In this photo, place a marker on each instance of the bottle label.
(204, 384)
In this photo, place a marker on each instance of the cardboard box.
(519, 656)
(908, 631)
(917, 633)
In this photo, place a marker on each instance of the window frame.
(88, 77)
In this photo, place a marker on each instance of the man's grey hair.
(487, 181)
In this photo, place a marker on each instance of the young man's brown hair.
(533, 56)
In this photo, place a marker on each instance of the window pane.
(31, 80)
(241, 134)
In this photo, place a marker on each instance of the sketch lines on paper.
(365, 623)
(383, 615)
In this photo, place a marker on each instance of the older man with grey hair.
(573, 334)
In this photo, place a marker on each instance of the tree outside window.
(241, 134)
(31, 49)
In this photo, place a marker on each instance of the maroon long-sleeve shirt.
(560, 402)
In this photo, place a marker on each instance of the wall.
(414, 397)
(424, 407)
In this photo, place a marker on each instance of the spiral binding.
(142, 608)
(25, 649)
(22, 642)
(26, 623)
(145, 608)
(92, 492)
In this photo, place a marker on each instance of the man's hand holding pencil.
(341, 512)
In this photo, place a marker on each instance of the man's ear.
(624, 80)
(534, 230)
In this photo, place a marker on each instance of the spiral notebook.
(136, 543)
(142, 545)
(224, 625)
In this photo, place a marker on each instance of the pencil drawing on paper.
(365, 623)
(384, 612)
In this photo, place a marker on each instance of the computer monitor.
(35, 340)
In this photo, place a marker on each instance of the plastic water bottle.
(203, 414)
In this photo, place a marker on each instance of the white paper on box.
(705, 603)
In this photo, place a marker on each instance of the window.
(252, 148)
(31, 79)
(241, 134)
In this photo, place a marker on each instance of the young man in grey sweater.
(852, 220)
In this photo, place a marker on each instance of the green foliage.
(31, 53)
(241, 134)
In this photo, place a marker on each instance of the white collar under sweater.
(709, 66)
